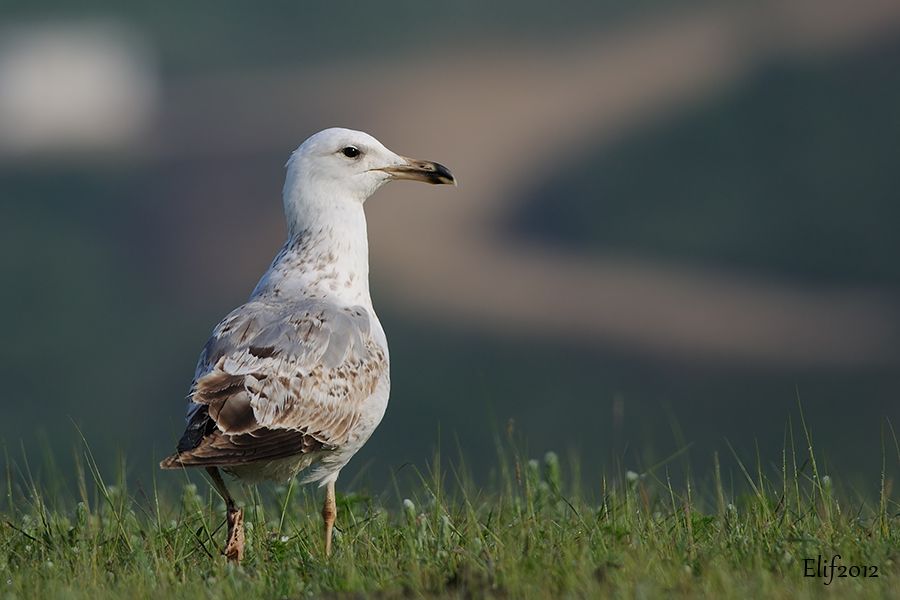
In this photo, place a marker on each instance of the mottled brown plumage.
(278, 379)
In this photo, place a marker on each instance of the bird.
(297, 378)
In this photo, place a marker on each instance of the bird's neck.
(326, 256)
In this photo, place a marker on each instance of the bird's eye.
(350, 152)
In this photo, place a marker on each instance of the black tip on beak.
(441, 175)
(423, 170)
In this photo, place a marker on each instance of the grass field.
(534, 533)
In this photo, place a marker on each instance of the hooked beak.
(421, 170)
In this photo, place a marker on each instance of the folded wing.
(280, 379)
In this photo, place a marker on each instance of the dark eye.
(350, 152)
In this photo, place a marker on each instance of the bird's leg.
(329, 514)
(234, 545)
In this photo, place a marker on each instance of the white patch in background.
(72, 87)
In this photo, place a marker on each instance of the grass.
(535, 533)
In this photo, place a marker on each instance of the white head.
(338, 168)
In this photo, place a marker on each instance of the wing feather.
(280, 379)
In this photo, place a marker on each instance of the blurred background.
(674, 219)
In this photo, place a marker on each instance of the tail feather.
(171, 462)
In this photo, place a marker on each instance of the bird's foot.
(234, 546)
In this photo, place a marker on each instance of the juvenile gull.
(297, 379)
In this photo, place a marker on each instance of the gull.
(297, 379)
